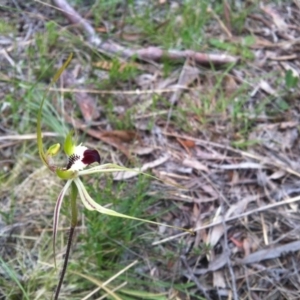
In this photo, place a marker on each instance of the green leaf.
(291, 81)
(13, 277)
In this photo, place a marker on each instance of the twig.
(149, 53)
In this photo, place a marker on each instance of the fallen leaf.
(270, 253)
(219, 280)
(195, 164)
(187, 76)
(218, 263)
(186, 143)
(101, 29)
(230, 85)
(237, 243)
(86, 103)
(217, 231)
(246, 246)
(227, 14)
(139, 150)
(126, 136)
(277, 19)
(265, 86)
(132, 36)
(277, 174)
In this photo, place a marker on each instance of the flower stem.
(63, 271)
(73, 196)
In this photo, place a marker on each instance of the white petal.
(75, 160)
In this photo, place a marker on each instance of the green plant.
(79, 157)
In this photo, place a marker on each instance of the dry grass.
(225, 146)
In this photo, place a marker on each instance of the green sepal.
(39, 114)
(53, 150)
(66, 174)
(69, 146)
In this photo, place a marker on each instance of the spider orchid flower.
(79, 160)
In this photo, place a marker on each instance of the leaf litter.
(241, 198)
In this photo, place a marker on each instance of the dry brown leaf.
(289, 124)
(132, 36)
(125, 136)
(237, 243)
(219, 280)
(266, 87)
(209, 190)
(277, 19)
(288, 67)
(97, 134)
(227, 15)
(102, 29)
(216, 264)
(230, 85)
(86, 103)
(197, 223)
(186, 143)
(184, 146)
(163, 176)
(187, 76)
(217, 231)
(246, 246)
(139, 150)
(195, 164)
(277, 175)
(260, 42)
(270, 253)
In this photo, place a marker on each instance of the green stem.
(74, 213)
(64, 268)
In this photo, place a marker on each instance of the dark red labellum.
(90, 156)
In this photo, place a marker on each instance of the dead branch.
(150, 53)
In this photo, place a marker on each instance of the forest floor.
(202, 95)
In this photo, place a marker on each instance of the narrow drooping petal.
(90, 204)
(106, 168)
(57, 211)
